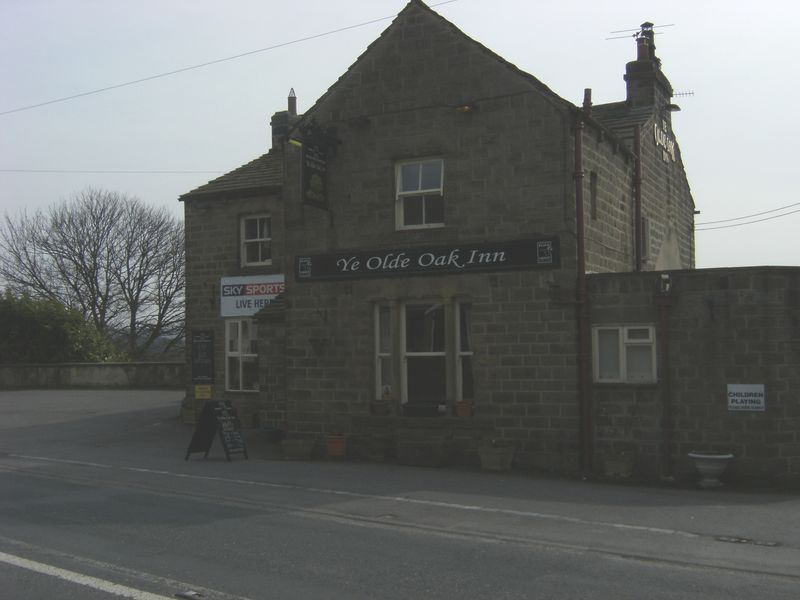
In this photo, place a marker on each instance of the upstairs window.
(256, 240)
(625, 354)
(420, 197)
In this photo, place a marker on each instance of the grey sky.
(737, 133)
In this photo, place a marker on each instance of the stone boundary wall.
(93, 375)
(724, 326)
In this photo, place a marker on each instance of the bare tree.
(108, 255)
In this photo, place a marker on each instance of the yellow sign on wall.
(202, 392)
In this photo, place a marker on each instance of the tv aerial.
(645, 27)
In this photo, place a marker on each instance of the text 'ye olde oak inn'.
(441, 251)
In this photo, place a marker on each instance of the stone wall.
(724, 326)
(93, 375)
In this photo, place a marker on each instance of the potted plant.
(710, 465)
(463, 408)
(496, 455)
(336, 445)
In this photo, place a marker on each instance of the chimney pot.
(587, 101)
(642, 48)
(292, 104)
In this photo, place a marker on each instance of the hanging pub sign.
(664, 140)
(436, 260)
(245, 296)
(314, 178)
(203, 357)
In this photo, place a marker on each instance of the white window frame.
(405, 354)
(240, 354)
(461, 353)
(400, 196)
(397, 354)
(383, 355)
(625, 340)
(244, 241)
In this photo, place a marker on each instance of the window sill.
(419, 227)
(626, 385)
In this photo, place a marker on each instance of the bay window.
(430, 354)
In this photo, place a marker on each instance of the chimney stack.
(587, 102)
(282, 120)
(646, 84)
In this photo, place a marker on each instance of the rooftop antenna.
(644, 27)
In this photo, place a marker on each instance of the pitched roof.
(265, 172)
(420, 5)
(621, 119)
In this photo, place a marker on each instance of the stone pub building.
(442, 251)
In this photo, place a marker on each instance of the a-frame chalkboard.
(218, 416)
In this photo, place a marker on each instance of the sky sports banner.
(245, 296)
(460, 258)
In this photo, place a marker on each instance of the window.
(645, 238)
(625, 354)
(433, 357)
(420, 200)
(241, 356)
(256, 237)
(464, 378)
(424, 355)
(384, 369)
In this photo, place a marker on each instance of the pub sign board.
(535, 253)
(245, 296)
(314, 176)
(217, 417)
(203, 357)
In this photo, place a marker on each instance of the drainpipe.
(637, 196)
(664, 301)
(584, 389)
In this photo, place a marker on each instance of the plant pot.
(618, 465)
(380, 408)
(297, 449)
(496, 458)
(710, 465)
(463, 409)
(336, 446)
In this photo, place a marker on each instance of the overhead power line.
(751, 222)
(758, 214)
(201, 65)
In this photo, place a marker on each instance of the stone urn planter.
(495, 457)
(618, 465)
(710, 465)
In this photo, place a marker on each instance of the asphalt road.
(97, 502)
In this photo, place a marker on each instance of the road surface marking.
(398, 499)
(80, 579)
